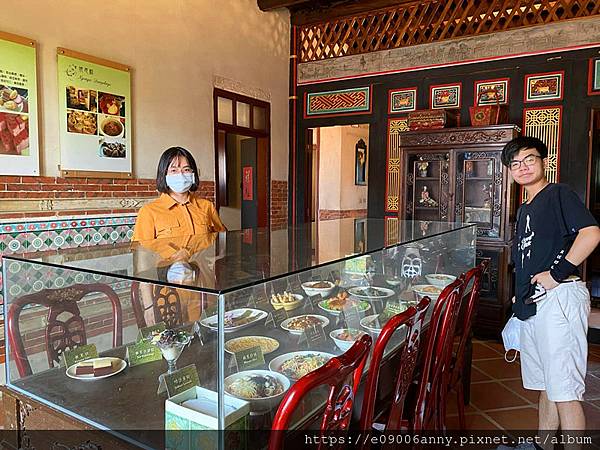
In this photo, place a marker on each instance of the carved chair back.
(166, 305)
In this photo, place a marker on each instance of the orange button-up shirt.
(165, 217)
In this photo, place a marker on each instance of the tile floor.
(498, 400)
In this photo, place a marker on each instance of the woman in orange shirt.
(176, 212)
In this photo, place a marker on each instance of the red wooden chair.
(60, 334)
(412, 319)
(430, 407)
(458, 381)
(342, 375)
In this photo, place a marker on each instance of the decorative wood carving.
(455, 138)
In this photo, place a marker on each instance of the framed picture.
(360, 163)
(487, 90)
(402, 100)
(594, 76)
(541, 87)
(360, 235)
(445, 96)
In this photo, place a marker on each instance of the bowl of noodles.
(263, 389)
(295, 365)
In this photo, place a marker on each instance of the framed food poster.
(445, 96)
(19, 145)
(541, 87)
(94, 105)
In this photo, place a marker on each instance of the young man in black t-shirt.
(554, 234)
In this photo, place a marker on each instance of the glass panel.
(243, 114)
(478, 190)
(259, 117)
(428, 187)
(225, 110)
(333, 297)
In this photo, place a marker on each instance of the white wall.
(175, 48)
(337, 190)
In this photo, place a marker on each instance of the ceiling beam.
(268, 5)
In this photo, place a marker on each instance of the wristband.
(562, 270)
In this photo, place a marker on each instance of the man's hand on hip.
(545, 279)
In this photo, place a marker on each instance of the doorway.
(242, 160)
(337, 163)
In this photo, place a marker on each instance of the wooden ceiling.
(313, 11)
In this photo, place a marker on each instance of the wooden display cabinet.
(456, 175)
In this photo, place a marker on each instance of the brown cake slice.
(103, 367)
(84, 368)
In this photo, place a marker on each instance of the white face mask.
(180, 182)
(180, 272)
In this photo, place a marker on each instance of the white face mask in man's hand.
(180, 182)
(180, 272)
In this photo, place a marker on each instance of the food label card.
(275, 318)
(79, 354)
(393, 308)
(146, 332)
(249, 359)
(334, 276)
(313, 336)
(351, 317)
(142, 352)
(181, 380)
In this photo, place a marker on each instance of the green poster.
(18, 106)
(94, 107)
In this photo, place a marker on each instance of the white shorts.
(554, 343)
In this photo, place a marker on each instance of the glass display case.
(247, 312)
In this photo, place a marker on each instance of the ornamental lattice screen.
(392, 191)
(429, 21)
(545, 124)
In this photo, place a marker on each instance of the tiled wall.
(279, 204)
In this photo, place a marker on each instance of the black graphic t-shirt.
(546, 228)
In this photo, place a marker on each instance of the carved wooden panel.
(393, 173)
(545, 124)
(430, 21)
(457, 137)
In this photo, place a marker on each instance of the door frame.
(263, 150)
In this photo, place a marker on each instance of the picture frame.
(501, 85)
(594, 76)
(402, 100)
(360, 235)
(360, 163)
(541, 87)
(445, 96)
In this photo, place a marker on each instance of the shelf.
(426, 178)
(429, 208)
(479, 178)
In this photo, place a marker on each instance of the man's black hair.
(521, 143)
(163, 167)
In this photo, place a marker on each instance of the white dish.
(440, 279)
(395, 281)
(341, 343)
(324, 292)
(120, 367)
(324, 322)
(212, 321)
(334, 312)
(429, 290)
(262, 404)
(367, 319)
(276, 363)
(359, 292)
(257, 338)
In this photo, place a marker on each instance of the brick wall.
(57, 188)
(330, 214)
(279, 204)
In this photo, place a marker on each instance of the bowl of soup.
(112, 127)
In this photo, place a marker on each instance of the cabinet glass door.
(478, 191)
(427, 193)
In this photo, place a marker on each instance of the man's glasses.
(529, 160)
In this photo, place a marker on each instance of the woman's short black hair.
(521, 143)
(163, 168)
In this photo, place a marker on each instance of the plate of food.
(263, 389)
(295, 365)
(296, 325)
(286, 301)
(266, 344)
(429, 290)
(370, 293)
(236, 319)
(440, 279)
(96, 368)
(322, 288)
(335, 305)
(112, 127)
(344, 338)
(375, 322)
